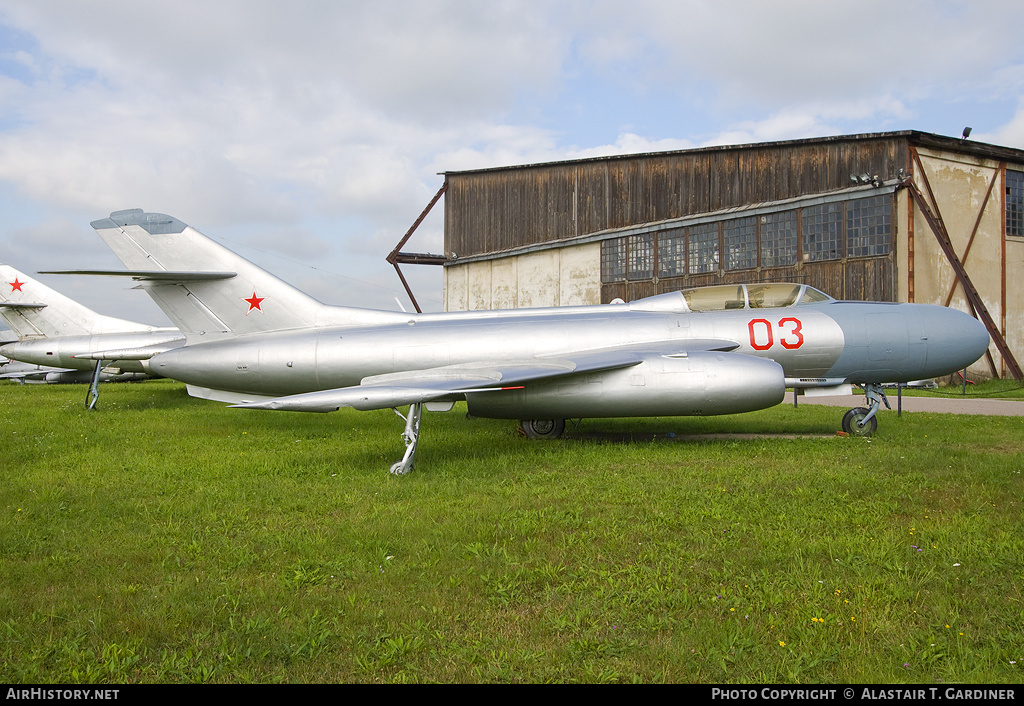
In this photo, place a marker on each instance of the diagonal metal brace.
(396, 256)
(973, 297)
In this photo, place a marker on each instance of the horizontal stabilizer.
(34, 310)
(23, 305)
(161, 276)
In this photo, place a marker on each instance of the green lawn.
(166, 539)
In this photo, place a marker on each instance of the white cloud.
(774, 56)
(330, 120)
(1011, 134)
(235, 103)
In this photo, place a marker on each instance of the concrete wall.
(960, 184)
(561, 277)
(1015, 297)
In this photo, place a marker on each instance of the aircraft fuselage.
(815, 344)
(63, 351)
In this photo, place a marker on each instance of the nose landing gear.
(861, 421)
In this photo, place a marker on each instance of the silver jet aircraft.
(78, 344)
(257, 342)
(27, 372)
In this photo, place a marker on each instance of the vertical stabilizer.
(236, 298)
(33, 310)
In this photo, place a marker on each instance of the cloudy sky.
(308, 135)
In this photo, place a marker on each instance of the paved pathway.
(952, 405)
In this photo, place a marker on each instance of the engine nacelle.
(73, 377)
(68, 377)
(700, 384)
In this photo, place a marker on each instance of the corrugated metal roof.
(926, 139)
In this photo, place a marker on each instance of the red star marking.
(16, 285)
(254, 302)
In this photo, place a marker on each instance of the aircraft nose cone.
(957, 340)
(978, 337)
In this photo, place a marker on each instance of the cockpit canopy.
(733, 296)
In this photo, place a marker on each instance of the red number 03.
(762, 335)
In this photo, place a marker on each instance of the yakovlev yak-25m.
(75, 342)
(257, 342)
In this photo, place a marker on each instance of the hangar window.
(822, 232)
(778, 239)
(867, 226)
(640, 259)
(856, 228)
(613, 260)
(1015, 203)
(703, 248)
(629, 258)
(672, 253)
(740, 238)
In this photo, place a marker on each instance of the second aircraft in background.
(73, 342)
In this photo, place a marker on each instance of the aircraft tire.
(542, 428)
(851, 422)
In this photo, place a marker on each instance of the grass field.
(165, 539)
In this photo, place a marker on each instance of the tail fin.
(208, 290)
(33, 310)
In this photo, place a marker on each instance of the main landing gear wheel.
(543, 428)
(854, 422)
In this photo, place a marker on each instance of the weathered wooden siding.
(493, 211)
